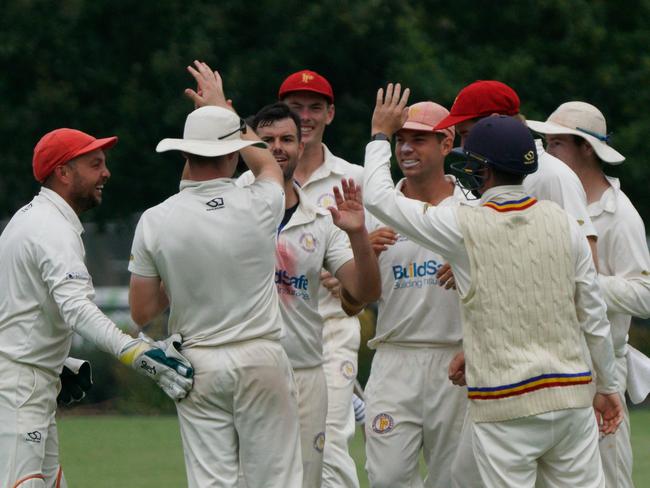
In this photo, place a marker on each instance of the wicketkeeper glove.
(161, 361)
(76, 379)
(359, 409)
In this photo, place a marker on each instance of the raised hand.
(209, 87)
(348, 215)
(390, 110)
(381, 238)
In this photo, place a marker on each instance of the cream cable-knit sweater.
(521, 334)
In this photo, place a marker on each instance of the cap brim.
(208, 149)
(105, 143)
(410, 125)
(605, 152)
(329, 97)
(452, 120)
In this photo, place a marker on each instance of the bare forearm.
(366, 282)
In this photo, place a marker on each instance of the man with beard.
(311, 239)
(46, 296)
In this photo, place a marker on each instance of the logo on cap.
(307, 77)
(529, 157)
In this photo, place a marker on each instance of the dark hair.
(274, 112)
(202, 160)
(504, 178)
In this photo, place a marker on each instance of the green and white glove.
(76, 379)
(161, 361)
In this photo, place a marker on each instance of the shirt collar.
(214, 183)
(607, 202)
(306, 211)
(503, 192)
(62, 206)
(331, 164)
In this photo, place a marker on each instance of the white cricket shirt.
(437, 228)
(318, 190)
(213, 246)
(413, 309)
(308, 243)
(46, 292)
(555, 181)
(623, 261)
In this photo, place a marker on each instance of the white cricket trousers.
(312, 410)
(616, 449)
(561, 447)
(341, 338)
(242, 409)
(410, 406)
(29, 443)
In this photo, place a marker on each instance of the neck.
(312, 158)
(290, 194)
(593, 180)
(64, 194)
(433, 189)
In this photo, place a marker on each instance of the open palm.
(348, 215)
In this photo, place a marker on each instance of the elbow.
(140, 318)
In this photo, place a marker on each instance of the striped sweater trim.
(531, 384)
(511, 205)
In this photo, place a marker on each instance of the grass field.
(145, 452)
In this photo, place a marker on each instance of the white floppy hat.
(210, 131)
(584, 120)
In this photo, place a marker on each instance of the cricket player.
(528, 292)
(411, 404)
(47, 295)
(309, 240)
(212, 245)
(576, 133)
(311, 96)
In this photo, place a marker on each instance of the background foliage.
(118, 68)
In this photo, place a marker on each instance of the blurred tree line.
(118, 68)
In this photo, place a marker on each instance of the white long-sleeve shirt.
(623, 261)
(46, 292)
(437, 228)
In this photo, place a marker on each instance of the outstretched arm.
(210, 92)
(359, 277)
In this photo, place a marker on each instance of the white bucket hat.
(210, 131)
(584, 120)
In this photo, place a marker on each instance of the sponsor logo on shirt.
(319, 441)
(215, 204)
(289, 284)
(416, 274)
(77, 275)
(27, 207)
(34, 437)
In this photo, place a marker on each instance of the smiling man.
(411, 404)
(311, 239)
(311, 96)
(46, 296)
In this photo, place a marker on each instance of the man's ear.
(446, 146)
(330, 114)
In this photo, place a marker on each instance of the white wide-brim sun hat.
(584, 120)
(210, 131)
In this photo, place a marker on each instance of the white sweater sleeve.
(592, 313)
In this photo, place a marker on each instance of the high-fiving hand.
(390, 110)
(348, 215)
(209, 87)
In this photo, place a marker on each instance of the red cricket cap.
(306, 80)
(60, 146)
(480, 99)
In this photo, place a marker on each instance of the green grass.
(145, 452)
